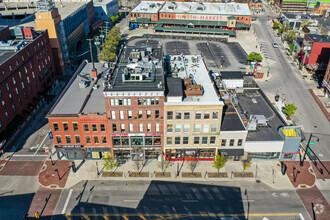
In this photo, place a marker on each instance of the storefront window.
(137, 141)
(116, 141)
(124, 141)
(287, 156)
(174, 154)
(206, 153)
(265, 155)
(148, 140)
(157, 140)
(151, 154)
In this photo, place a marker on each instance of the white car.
(275, 45)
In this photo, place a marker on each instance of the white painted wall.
(263, 146)
(233, 83)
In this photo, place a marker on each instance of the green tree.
(219, 162)
(290, 35)
(110, 46)
(109, 162)
(246, 162)
(290, 109)
(120, 14)
(113, 19)
(252, 57)
(276, 25)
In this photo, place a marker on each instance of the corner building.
(135, 104)
(193, 110)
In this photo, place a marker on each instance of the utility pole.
(91, 51)
(307, 147)
(97, 44)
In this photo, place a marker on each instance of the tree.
(219, 162)
(163, 164)
(109, 162)
(120, 14)
(290, 109)
(113, 19)
(252, 57)
(110, 46)
(246, 162)
(138, 164)
(276, 25)
(192, 163)
(290, 35)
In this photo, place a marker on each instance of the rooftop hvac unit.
(259, 119)
(251, 126)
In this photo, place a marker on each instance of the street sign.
(50, 134)
(312, 143)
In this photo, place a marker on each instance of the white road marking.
(189, 201)
(274, 194)
(131, 200)
(301, 216)
(42, 142)
(31, 148)
(67, 201)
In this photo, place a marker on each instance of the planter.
(161, 174)
(112, 174)
(192, 175)
(217, 175)
(243, 174)
(137, 174)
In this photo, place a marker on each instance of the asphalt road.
(288, 83)
(199, 200)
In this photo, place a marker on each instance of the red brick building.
(25, 73)
(316, 49)
(326, 81)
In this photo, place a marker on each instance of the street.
(193, 200)
(289, 84)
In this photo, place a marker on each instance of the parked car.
(275, 45)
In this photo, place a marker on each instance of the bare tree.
(138, 164)
(192, 163)
(163, 164)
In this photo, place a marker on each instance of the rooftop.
(139, 69)
(75, 99)
(319, 38)
(324, 22)
(103, 2)
(252, 102)
(206, 8)
(147, 7)
(231, 75)
(231, 120)
(192, 70)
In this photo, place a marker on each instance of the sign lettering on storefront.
(141, 134)
(201, 17)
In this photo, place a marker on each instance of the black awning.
(232, 152)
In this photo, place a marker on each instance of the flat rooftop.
(319, 38)
(253, 103)
(231, 121)
(193, 67)
(206, 8)
(75, 100)
(325, 22)
(150, 7)
(138, 62)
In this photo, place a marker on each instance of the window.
(58, 139)
(102, 127)
(196, 140)
(204, 140)
(206, 115)
(231, 143)
(68, 139)
(215, 115)
(239, 142)
(130, 114)
(65, 127)
(177, 140)
(88, 140)
(148, 127)
(178, 115)
(212, 140)
(104, 139)
(223, 142)
(121, 114)
(157, 127)
(94, 128)
(148, 114)
(86, 128)
(177, 128)
(186, 128)
(113, 114)
(112, 102)
(185, 140)
(197, 128)
(77, 139)
(169, 128)
(14, 81)
(140, 114)
(198, 115)
(7, 115)
(96, 140)
(206, 128)
(187, 115)
(14, 109)
(156, 113)
(130, 127)
(169, 115)
(169, 140)
(114, 128)
(75, 126)
(55, 125)
(122, 128)
(141, 127)
(214, 127)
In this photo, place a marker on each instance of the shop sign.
(201, 17)
(139, 134)
(68, 146)
(153, 134)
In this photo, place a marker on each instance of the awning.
(232, 152)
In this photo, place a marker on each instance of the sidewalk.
(261, 170)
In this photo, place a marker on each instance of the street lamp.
(308, 148)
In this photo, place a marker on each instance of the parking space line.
(67, 201)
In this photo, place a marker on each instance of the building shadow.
(15, 206)
(166, 199)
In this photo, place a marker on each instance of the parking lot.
(218, 55)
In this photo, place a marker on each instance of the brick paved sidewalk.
(317, 167)
(22, 168)
(55, 175)
(316, 205)
(44, 202)
(300, 175)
